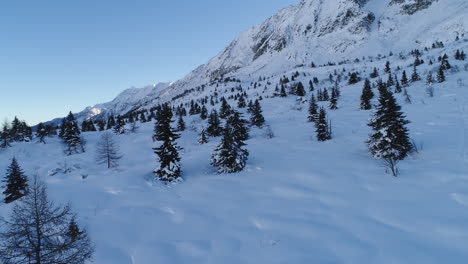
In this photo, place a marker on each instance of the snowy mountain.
(319, 31)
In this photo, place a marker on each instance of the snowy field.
(298, 201)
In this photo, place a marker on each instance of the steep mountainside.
(315, 31)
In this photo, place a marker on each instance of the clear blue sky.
(58, 55)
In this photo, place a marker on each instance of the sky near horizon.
(57, 56)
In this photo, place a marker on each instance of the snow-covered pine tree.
(404, 79)
(256, 117)
(16, 183)
(313, 109)
(168, 155)
(333, 100)
(71, 136)
(374, 74)
(203, 137)
(390, 141)
(441, 75)
(214, 128)
(429, 78)
(5, 136)
(415, 76)
(241, 102)
(239, 126)
(322, 127)
(119, 127)
(283, 91)
(180, 124)
(203, 113)
(110, 122)
(230, 155)
(225, 109)
(300, 91)
(366, 96)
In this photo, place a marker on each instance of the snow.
(297, 201)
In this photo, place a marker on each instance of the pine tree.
(107, 151)
(203, 137)
(41, 132)
(325, 95)
(239, 126)
(397, 87)
(387, 69)
(71, 136)
(110, 122)
(119, 127)
(283, 91)
(230, 155)
(404, 79)
(374, 74)
(313, 109)
(441, 75)
(214, 125)
(16, 182)
(353, 79)
(203, 113)
(5, 136)
(241, 102)
(366, 96)
(390, 81)
(256, 117)
(225, 109)
(300, 91)
(429, 78)
(333, 100)
(415, 76)
(180, 124)
(311, 86)
(390, 140)
(168, 155)
(322, 127)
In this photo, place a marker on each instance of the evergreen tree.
(390, 140)
(397, 87)
(41, 132)
(353, 79)
(300, 91)
(225, 109)
(203, 113)
(119, 127)
(230, 155)
(241, 102)
(214, 128)
(311, 86)
(110, 122)
(325, 95)
(366, 96)
(256, 117)
(322, 128)
(404, 79)
(283, 91)
(374, 74)
(180, 124)
(429, 78)
(168, 155)
(415, 76)
(333, 100)
(5, 136)
(313, 109)
(71, 136)
(16, 182)
(203, 137)
(387, 69)
(441, 75)
(239, 126)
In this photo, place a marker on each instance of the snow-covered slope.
(315, 31)
(298, 200)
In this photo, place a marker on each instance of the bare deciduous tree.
(38, 232)
(108, 151)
